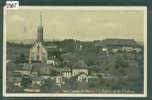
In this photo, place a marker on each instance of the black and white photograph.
(75, 51)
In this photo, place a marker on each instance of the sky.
(84, 25)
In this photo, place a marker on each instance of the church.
(38, 53)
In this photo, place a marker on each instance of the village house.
(22, 70)
(82, 77)
(34, 74)
(45, 72)
(27, 66)
(67, 72)
(16, 78)
(17, 81)
(51, 62)
(58, 80)
(79, 67)
(37, 82)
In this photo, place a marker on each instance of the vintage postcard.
(75, 51)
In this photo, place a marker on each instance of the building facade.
(38, 53)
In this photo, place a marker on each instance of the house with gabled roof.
(79, 67)
(58, 80)
(37, 82)
(82, 77)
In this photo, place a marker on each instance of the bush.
(26, 82)
(21, 58)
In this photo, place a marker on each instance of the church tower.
(38, 52)
(40, 31)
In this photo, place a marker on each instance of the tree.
(26, 82)
(71, 84)
(21, 58)
(120, 63)
(48, 84)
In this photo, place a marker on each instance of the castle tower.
(40, 30)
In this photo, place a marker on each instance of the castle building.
(38, 52)
(118, 45)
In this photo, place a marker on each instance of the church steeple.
(40, 30)
(40, 19)
(38, 52)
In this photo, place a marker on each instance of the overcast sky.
(77, 24)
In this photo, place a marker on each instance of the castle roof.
(118, 42)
